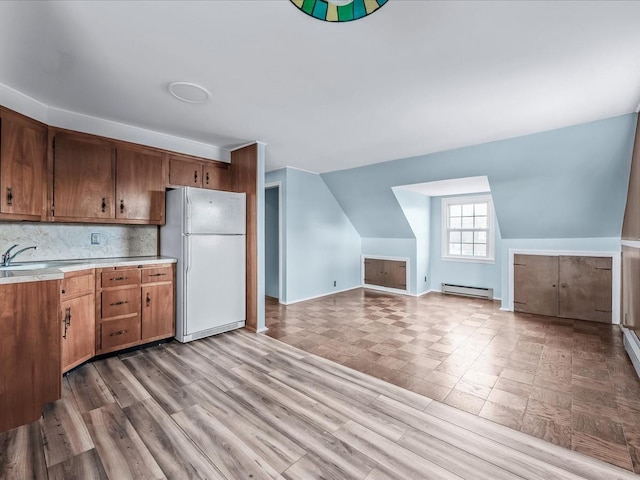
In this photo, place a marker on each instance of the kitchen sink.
(29, 266)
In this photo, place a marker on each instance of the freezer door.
(215, 212)
(215, 282)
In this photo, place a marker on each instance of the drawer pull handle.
(103, 205)
(67, 321)
(157, 274)
(122, 302)
(119, 332)
(148, 299)
(9, 196)
(117, 279)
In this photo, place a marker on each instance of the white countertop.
(60, 267)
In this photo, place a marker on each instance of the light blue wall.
(271, 244)
(321, 245)
(402, 248)
(417, 210)
(565, 183)
(472, 274)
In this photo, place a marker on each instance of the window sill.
(469, 260)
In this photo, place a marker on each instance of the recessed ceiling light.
(189, 92)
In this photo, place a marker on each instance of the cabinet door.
(374, 272)
(585, 288)
(631, 223)
(139, 186)
(158, 312)
(535, 284)
(83, 178)
(78, 331)
(184, 172)
(22, 160)
(631, 287)
(216, 176)
(396, 274)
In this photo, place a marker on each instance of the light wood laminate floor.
(246, 406)
(569, 382)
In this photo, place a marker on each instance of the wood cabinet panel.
(385, 273)
(157, 274)
(23, 144)
(123, 301)
(83, 178)
(216, 176)
(535, 279)
(631, 287)
(585, 288)
(29, 350)
(139, 185)
(78, 330)
(158, 311)
(119, 333)
(77, 283)
(118, 278)
(184, 172)
(631, 222)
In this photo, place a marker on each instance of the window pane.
(467, 237)
(467, 249)
(467, 210)
(480, 208)
(481, 222)
(455, 222)
(454, 237)
(479, 237)
(454, 249)
(455, 210)
(467, 222)
(480, 250)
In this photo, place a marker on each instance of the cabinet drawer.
(159, 274)
(81, 283)
(116, 278)
(120, 302)
(119, 332)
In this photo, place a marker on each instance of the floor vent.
(467, 291)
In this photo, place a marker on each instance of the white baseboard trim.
(632, 346)
(262, 330)
(319, 296)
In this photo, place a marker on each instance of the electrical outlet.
(334, 283)
(95, 239)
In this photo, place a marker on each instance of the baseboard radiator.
(476, 292)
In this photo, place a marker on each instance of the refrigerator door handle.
(187, 226)
(187, 256)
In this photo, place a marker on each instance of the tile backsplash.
(62, 241)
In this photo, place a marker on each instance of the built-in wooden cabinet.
(134, 305)
(139, 185)
(77, 309)
(83, 178)
(23, 146)
(29, 350)
(385, 273)
(192, 172)
(564, 286)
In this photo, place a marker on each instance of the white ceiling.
(454, 186)
(413, 78)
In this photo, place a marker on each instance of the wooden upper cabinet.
(191, 172)
(631, 223)
(83, 178)
(216, 176)
(23, 145)
(184, 172)
(139, 186)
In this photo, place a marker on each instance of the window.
(467, 228)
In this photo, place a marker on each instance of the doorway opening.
(273, 241)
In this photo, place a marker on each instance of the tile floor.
(569, 382)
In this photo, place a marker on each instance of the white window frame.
(491, 233)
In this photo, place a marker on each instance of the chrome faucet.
(7, 258)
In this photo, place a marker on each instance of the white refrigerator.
(205, 230)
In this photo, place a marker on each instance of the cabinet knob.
(63, 291)
(9, 196)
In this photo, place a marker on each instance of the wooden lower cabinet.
(29, 350)
(564, 286)
(385, 273)
(134, 305)
(77, 310)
